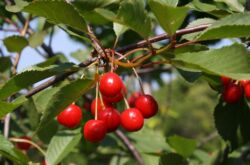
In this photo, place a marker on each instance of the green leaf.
(119, 29)
(145, 136)
(244, 115)
(218, 61)
(226, 122)
(172, 3)
(182, 146)
(19, 5)
(65, 96)
(170, 18)
(235, 25)
(131, 14)
(31, 76)
(15, 43)
(61, 145)
(8, 150)
(81, 55)
(5, 63)
(234, 5)
(172, 158)
(6, 107)
(57, 12)
(37, 38)
(49, 61)
(47, 133)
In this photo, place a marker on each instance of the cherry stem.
(29, 142)
(139, 80)
(96, 98)
(126, 101)
(102, 103)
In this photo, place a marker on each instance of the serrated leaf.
(61, 145)
(170, 18)
(19, 5)
(119, 29)
(132, 14)
(235, 25)
(235, 5)
(182, 146)
(227, 122)
(31, 76)
(218, 61)
(37, 38)
(6, 107)
(172, 158)
(57, 12)
(65, 96)
(15, 43)
(5, 63)
(49, 61)
(8, 150)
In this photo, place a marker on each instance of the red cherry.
(87, 106)
(243, 83)
(70, 117)
(118, 97)
(111, 117)
(147, 105)
(110, 84)
(99, 105)
(225, 80)
(232, 93)
(44, 162)
(133, 97)
(132, 119)
(94, 130)
(23, 145)
(247, 91)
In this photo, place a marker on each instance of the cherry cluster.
(107, 117)
(235, 90)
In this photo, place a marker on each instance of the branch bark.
(130, 146)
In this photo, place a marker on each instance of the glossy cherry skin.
(110, 84)
(94, 130)
(116, 98)
(132, 120)
(243, 83)
(232, 93)
(99, 105)
(70, 117)
(23, 145)
(247, 91)
(147, 105)
(133, 97)
(111, 117)
(225, 80)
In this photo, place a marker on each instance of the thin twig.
(130, 146)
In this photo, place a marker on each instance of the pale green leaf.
(37, 38)
(19, 5)
(119, 29)
(234, 5)
(61, 145)
(57, 12)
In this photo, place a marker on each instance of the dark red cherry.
(100, 107)
(110, 84)
(116, 98)
(225, 80)
(147, 105)
(111, 117)
(23, 145)
(70, 117)
(44, 162)
(132, 119)
(94, 130)
(232, 93)
(243, 83)
(247, 91)
(133, 97)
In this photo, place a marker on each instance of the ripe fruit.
(247, 91)
(225, 80)
(87, 106)
(232, 93)
(24, 145)
(44, 162)
(94, 130)
(110, 84)
(243, 83)
(116, 98)
(132, 119)
(99, 105)
(147, 105)
(111, 117)
(70, 117)
(132, 98)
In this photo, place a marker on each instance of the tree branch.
(130, 146)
